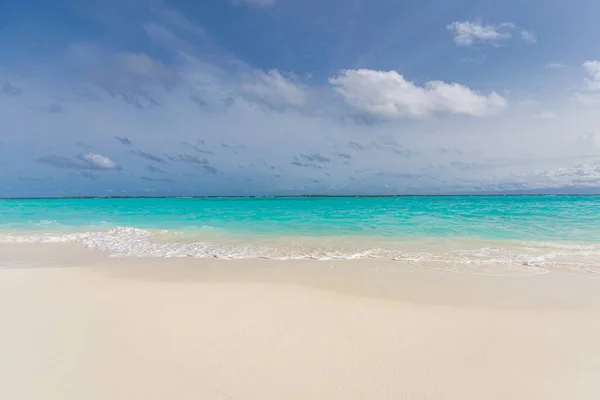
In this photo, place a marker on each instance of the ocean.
(470, 234)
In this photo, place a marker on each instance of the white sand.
(76, 324)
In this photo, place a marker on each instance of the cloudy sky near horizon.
(237, 97)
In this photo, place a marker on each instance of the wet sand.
(77, 324)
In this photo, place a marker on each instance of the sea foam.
(498, 257)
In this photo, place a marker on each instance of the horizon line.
(305, 196)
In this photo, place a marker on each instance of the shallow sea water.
(491, 235)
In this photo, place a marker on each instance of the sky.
(291, 97)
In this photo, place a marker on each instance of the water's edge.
(491, 235)
(457, 254)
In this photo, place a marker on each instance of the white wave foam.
(45, 222)
(529, 258)
(565, 246)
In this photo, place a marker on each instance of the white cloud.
(589, 96)
(275, 89)
(257, 3)
(388, 94)
(580, 175)
(528, 36)
(97, 161)
(467, 33)
(593, 69)
(87, 161)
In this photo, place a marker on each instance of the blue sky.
(221, 97)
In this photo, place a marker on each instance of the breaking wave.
(497, 257)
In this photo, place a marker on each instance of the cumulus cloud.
(86, 161)
(275, 89)
(388, 94)
(593, 69)
(97, 161)
(468, 33)
(589, 95)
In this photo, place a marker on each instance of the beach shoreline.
(80, 324)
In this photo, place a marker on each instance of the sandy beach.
(77, 324)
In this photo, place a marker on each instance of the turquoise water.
(527, 232)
